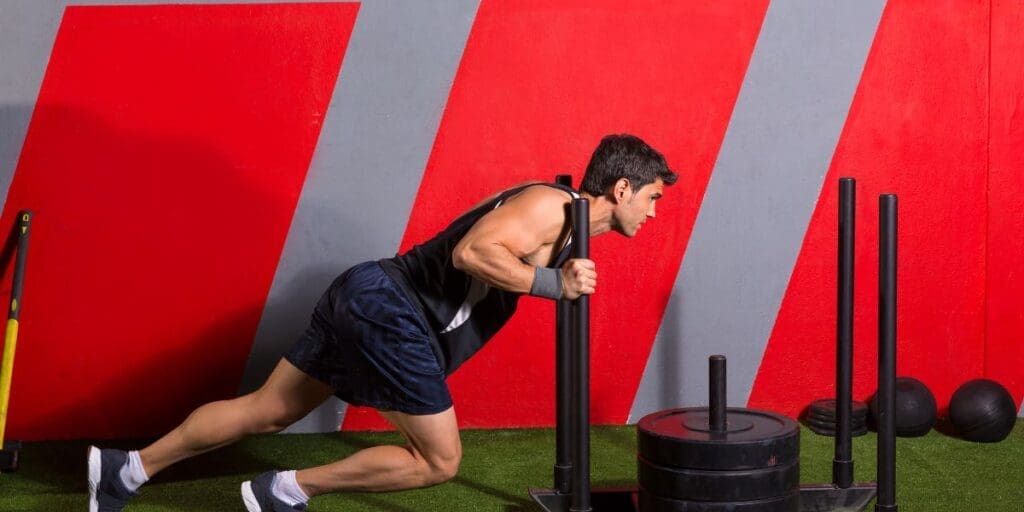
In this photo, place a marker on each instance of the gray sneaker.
(257, 497)
(107, 492)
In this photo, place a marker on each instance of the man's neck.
(600, 214)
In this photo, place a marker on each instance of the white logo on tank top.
(477, 291)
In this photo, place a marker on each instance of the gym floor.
(934, 472)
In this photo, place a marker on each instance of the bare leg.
(287, 396)
(431, 457)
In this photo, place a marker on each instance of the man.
(387, 333)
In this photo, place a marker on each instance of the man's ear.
(620, 189)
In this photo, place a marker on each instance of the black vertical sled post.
(886, 354)
(563, 385)
(842, 464)
(571, 490)
(580, 501)
(842, 494)
(716, 398)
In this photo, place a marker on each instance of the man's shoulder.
(541, 191)
(538, 207)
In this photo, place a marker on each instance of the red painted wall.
(169, 144)
(1004, 351)
(163, 161)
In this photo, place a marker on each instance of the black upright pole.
(580, 501)
(886, 354)
(563, 385)
(716, 393)
(842, 464)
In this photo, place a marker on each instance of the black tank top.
(462, 311)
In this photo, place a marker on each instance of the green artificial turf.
(935, 473)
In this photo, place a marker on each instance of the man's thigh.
(291, 393)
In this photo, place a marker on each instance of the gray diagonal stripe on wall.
(758, 203)
(367, 167)
(27, 32)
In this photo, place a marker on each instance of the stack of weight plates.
(821, 418)
(752, 466)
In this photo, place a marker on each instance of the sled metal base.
(622, 499)
(829, 498)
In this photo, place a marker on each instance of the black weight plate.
(827, 406)
(819, 417)
(753, 439)
(832, 421)
(827, 419)
(831, 425)
(832, 414)
(830, 431)
(828, 423)
(710, 485)
(654, 503)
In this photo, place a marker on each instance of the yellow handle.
(6, 370)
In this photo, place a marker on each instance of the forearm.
(496, 266)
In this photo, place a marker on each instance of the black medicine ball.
(982, 410)
(915, 408)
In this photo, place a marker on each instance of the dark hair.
(624, 156)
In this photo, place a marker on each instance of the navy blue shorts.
(368, 342)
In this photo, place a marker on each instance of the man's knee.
(275, 424)
(442, 469)
(434, 443)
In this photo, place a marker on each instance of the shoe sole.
(249, 499)
(94, 477)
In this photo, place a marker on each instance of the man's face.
(635, 207)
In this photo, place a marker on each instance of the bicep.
(507, 229)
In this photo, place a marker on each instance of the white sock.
(287, 489)
(132, 473)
